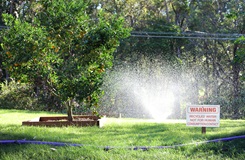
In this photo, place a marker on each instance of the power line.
(182, 35)
(187, 35)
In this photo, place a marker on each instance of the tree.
(213, 67)
(63, 48)
(222, 69)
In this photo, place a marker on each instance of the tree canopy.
(62, 48)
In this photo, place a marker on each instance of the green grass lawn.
(122, 135)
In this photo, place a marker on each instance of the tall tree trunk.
(207, 74)
(11, 9)
(69, 109)
(167, 12)
(215, 74)
(235, 82)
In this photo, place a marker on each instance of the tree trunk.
(11, 7)
(167, 12)
(236, 83)
(69, 110)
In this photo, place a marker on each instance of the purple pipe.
(180, 145)
(226, 139)
(38, 142)
(108, 147)
(7, 141)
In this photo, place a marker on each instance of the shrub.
(16, 95)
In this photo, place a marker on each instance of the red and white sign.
(203, 115)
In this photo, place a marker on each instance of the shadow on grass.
(9, 149)
(150, 134)
(230, 149)
(8, 132)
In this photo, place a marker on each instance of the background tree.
(208, 71)
(63, 49)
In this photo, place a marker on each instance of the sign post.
(203, 130)
(203, 116)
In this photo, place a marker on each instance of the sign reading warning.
(203, 115)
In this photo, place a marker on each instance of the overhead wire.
(182, 35)
(187, 35)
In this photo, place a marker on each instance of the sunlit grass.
(15, 117)
(120, 134)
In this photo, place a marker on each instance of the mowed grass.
(121, 135)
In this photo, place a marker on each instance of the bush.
(16, 95)
(23, 96)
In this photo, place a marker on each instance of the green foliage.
(62, 48)
(17, 96)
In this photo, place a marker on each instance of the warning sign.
(203, 115)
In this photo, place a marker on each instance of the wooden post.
(203, 130)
